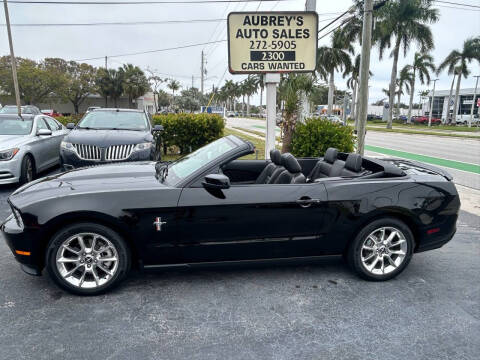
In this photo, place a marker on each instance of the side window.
(52, 124)
(41, 124)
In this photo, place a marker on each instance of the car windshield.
(118, 120)
(15, 126)
(187, 165)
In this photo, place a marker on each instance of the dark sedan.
(88, 226)
(109, 135)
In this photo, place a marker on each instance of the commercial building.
(440, 103)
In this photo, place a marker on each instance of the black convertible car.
(88, 226)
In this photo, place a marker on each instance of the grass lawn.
(259, 144)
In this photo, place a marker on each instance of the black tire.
(121, 248)
(27, 170)
(355, 252)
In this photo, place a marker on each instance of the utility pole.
(202, 70)
(473, 102)
(304, 111)
(364, 74)
(106, 62)
(12, 59)
(431, 104)
(271, 81)
(344, 111)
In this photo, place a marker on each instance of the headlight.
(8, 154)
(18, 217)
(66, 145)
(143, 146)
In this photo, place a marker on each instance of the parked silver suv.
(28, 145)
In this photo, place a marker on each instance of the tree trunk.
(75, 106)
(398, 104)
(354, 99)
(393, 78)
(261, 96)
(287, 134)
(410, 103)
(115, 102)
(331, 90)
(455, 111)
(243, 105)
(448, 120)
(106, 101)
(248, 105)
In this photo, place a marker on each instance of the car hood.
(95, 179)
(104, 138)
(11, 141)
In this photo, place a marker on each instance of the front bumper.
(71, 158)
(24, 241)
(10, 170)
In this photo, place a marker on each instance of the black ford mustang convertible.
(88, 226)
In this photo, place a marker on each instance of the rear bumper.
(446, 231)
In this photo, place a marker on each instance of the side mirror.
(44, 132)
(216, 182)
(157, 128)
(70, 126)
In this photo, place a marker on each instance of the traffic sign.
(272, 42)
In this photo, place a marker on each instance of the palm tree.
(405, 23)
(334, 58)
(173, 85)
(406, 80)
(458, 61)
(352, 83)
(135, 83)
(258, 80)
(229, 88)
(250, 88)
(422, 66)
(289, 91)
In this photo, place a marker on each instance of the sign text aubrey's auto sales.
(272, 42)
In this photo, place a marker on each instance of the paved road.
(450, 148)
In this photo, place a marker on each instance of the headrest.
(276, 157)
(354, 162)
(290, 163)
(331, 155)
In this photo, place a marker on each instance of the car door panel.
(55, 140)
(40, 146)
(248, 221)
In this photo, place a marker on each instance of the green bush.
(69, 119)
(316, 135)
(188, 132)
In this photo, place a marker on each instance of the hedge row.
(189, 132)
(69, 119)
(316, 135)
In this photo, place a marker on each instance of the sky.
(75, 42)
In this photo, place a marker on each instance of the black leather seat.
(292, 173)
(267, 172)
(353, 165)
(323, 167)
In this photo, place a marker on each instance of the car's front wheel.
(381, 250)
(27, 170)
(87, 258)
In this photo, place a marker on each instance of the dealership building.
(440, 103)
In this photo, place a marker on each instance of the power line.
(64, 2)
(151, 51)
(456, 3)
(337, 18)
(456, 7)
(335, 28)
(165, 22)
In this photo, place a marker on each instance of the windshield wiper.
(123, 129)
(87, 128)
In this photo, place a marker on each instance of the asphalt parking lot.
(309, 311)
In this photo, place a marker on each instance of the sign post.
(271, 43)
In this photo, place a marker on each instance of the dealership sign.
(268, 42)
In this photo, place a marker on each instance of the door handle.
(306, 201)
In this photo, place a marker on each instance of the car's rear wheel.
(87, 259)
(381, 250)
(27, 171)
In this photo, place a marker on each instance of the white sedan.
(28, 145)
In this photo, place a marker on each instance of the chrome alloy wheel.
(384, 250)
(87, 260)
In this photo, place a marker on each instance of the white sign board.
(268, 42)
